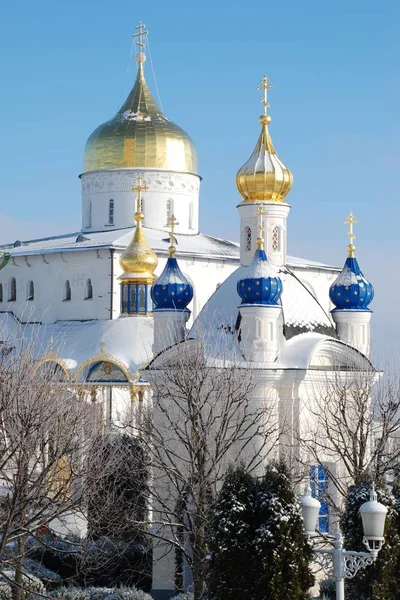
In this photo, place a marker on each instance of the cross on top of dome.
(351, 220)
(140, 38)
(265, 86)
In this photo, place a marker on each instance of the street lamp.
(347, 563)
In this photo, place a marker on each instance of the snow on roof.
(127, 340)
(301, 311)
(199, 245)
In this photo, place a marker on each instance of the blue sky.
(335, 107)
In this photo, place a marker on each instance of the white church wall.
(49, 274)
(168, 193)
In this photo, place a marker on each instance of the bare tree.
(353, 424)
(45, 433)
(206, 414)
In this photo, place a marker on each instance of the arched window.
(67, 291)
(191, 215)
(169, 209)
(247, 238)
(111, 212)
(31, 291)
(12, 291)
(89, 290)
(276, 239)
(1, 292)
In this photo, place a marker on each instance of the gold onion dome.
(139, 135)
(139, 261)
(264, 176)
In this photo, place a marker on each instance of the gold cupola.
(264, 176)
(140, 135)
(138, 261)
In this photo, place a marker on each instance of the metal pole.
(338, 566)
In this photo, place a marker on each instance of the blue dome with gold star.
(172, 290)
(351, 290)
(261, 284)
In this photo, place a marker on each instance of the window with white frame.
(169, 210)
(31, 291)
(276, 239)
(191, 215)
(67, 291)
(247, 238)
(111, 212)
(89, 290)
(12, 291)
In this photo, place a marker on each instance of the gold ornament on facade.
(138, 261)
(264, 176)
(140, 135)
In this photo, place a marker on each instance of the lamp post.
(347, 563)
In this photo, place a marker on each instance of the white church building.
(139, 278)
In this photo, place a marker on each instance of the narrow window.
(248, 238)
(89, 290)
(191, 215)
(12, 296)
(67, 291)
(169, 209)
(1, 292)
(319, 489)
(276, 239)
(111, 212)
(89, 221)
(31, 291)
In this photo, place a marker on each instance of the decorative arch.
(53, 367)
(102, 368)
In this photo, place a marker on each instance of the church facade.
(139, 281)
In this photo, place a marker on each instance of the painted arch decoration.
(104, 369)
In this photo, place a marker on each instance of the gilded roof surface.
(140, 135)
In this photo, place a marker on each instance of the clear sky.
(65, 68)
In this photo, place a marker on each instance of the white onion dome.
(261, 285)
(351, 290)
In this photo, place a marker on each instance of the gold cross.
(172, 222)
(351, 220)
(261, 212)
(141, 35)
(139, 188)
(265, 86)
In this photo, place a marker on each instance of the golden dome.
(140, 136)
(138, 261)
(264, 176)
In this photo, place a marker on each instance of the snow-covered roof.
(125, 340)
(301, 311)
(199, 245)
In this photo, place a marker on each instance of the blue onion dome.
(261, 285)
(351, 290)
(172, 290)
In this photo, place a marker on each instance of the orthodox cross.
(265, 86)
(351, 220)
(172, 222)
(261, 212)
(139, 188)
(140, 36)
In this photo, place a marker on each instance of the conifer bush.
(259, 549)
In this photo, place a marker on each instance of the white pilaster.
(353, 328)
(260, 332)
(169, 328)
(275, 230)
